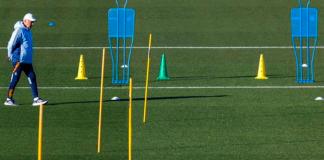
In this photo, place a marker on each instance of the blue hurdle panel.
(121, 22)
(121, 26)
(304, 22)
(304, 31)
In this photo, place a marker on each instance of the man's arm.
(14, 40)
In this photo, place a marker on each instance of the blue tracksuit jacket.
(20, 45)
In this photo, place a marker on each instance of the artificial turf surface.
(202, 123)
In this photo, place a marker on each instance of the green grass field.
(217, 111)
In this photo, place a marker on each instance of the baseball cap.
(30, 17)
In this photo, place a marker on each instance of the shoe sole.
(10, 105)
(38, 104)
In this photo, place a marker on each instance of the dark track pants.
(15, 76)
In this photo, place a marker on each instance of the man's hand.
(16, 67)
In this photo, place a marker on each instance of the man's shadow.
(135, 99)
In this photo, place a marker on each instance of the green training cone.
(163, 75)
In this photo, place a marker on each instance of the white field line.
(175, 47)
(180, 87)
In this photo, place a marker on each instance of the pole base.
(261, 78)
(121, 82)
(80, 78)
(305, 81)
(163, 78)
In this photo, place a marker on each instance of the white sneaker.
(38, 101)
(10, 102)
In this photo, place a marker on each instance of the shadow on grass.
(225, 77)
(198, 78)
(137, 99)
(281, 76)
(98, 77)
(172, 98)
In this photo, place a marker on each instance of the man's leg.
(29, 71)
(15, 76)
(31, 76)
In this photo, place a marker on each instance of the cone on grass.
(262, 70)
(163, 75)
(81, 71)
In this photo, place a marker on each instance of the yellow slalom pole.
(130, 120)
(40, 132)
(147, 78)
(100, 101)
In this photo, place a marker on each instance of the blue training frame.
(121, 26)
(304, 26)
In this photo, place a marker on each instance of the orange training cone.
(262, 70)
(81, 70)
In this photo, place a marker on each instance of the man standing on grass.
(20, 53)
